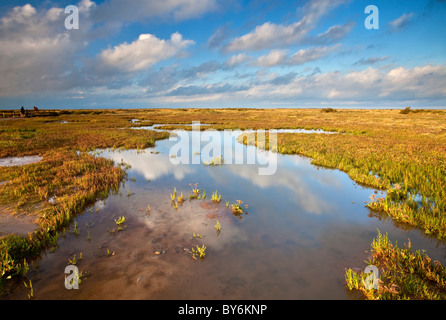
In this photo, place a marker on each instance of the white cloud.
(120, 11)
(280, 57)
(19, 15)
(371, 60)
(274, 58)
(34, 53)
(421, 82)
(334, 33)
(270, 35)
(371, 85)
(310, 54)
(236, 60)
(401, 22)
(38, 55)
(144, 52)
(86, 5)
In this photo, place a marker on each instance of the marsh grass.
(385, 149)
(377, 148)
(404, 273)
(64, 183)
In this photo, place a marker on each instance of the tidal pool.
(18, 161)
(302, 228)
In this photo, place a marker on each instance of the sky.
(231, 54)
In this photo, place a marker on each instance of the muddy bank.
(18, 224)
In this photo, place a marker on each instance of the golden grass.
(403, 153)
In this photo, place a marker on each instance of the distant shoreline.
(221, 108)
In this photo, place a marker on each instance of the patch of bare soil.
(18, 224)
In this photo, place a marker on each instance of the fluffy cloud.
(236, 60)
(38, 55)
(274, 58)
(34, 52)
(377, 85)
(270, 35)
(143, 52)
(311, 54)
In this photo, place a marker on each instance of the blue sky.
(211, 53)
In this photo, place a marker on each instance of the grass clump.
(238, 209)
(199, 252)
(216, 197)
(195, 191)
(404, 273)
(405, 110)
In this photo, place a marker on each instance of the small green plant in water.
(73, 261)
(201, 236)
(76, 230)
(237, 209)
(30, 288)
(217, 226)
(216, 197)
(120, 223)
(195, 191)
(174, 194)
(200, 252)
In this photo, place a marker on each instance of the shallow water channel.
(304, 225)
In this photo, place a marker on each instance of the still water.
(302, 227)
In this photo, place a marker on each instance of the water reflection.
(149, 163)
(304, 225)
